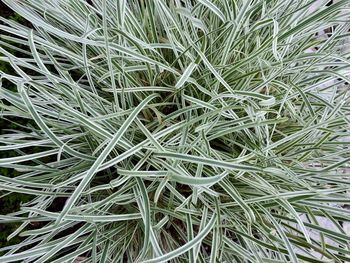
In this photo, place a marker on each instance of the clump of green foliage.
(10, 201)
(177, 131)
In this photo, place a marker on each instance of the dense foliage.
(177, 131)
(11, 201)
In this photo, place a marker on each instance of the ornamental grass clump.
(177, 131)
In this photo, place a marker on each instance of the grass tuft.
(176, 131)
